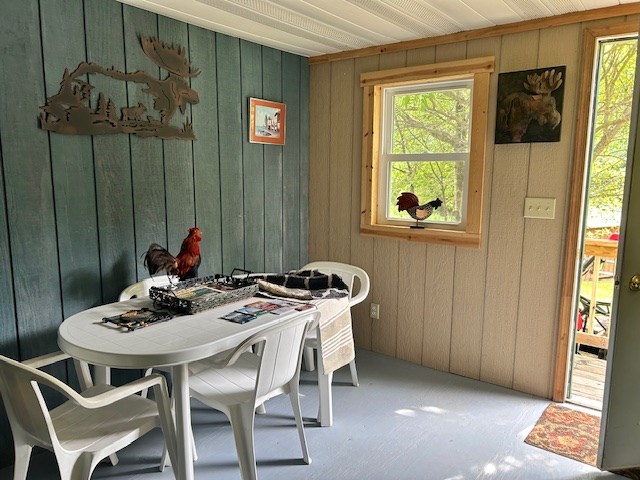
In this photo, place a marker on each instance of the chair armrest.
(362, 294)
(82, 368)
(118, 393)
(44, 360)
(103, 399)
(221, 361)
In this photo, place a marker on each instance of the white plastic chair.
(87, 427)
(141, 288)
(238, 384)
(348, 273)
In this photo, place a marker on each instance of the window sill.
(426, 235)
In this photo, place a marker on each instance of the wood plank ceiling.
(316, 27)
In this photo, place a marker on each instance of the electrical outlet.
(374, 311)
(540, 208)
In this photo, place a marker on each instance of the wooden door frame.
(577, 187)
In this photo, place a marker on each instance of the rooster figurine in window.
(184, 265)
(408, 202)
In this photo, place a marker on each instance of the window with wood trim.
(425, 133)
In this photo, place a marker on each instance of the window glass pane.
(429, 180)
(431, 122)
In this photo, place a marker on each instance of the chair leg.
(294, 396)
(309, 361)
(354, 373)
(325, 408)
(242, 419)
(77, 468)
(165, 461)
(21, 466)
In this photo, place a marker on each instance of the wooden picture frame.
(267, 121)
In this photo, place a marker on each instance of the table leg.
(101, 375)
(184, 469)
(325, 409)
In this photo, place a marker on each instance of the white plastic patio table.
(173, 343)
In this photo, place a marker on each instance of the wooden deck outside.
(588, 371)
(587, 383)
(599, 251)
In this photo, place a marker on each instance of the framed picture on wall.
(530, 105)
(266, 121)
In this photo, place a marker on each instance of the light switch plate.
(540, 208)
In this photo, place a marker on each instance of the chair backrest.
(26, 408)
(348, 273)
(281, 353)
(141, 288)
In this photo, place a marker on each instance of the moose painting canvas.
(530, 105)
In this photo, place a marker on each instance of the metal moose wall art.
(530, 105)
(75, 110)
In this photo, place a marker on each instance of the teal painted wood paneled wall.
(77, 212)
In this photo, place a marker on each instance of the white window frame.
(375, 170)
(386, 158)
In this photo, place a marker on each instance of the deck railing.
(600, 250)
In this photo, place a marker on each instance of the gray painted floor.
(403, 422)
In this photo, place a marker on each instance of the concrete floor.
(403, 422)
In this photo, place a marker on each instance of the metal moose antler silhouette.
(69, 111)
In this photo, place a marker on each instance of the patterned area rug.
(567, 432)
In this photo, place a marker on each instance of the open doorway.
(612, 77)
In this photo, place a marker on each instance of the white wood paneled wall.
(489, 313)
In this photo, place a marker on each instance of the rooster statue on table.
(184, 265)
(408, 202)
